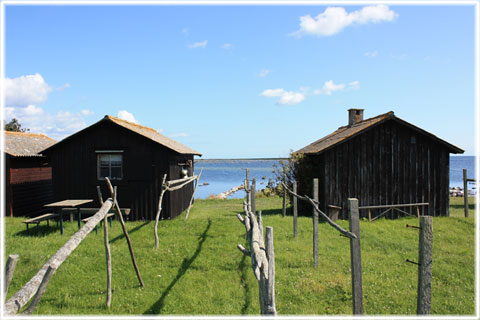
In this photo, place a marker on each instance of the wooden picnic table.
(69, 203)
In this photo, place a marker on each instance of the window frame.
(99, 154)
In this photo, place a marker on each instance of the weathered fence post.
(284, 203)
(425, 261)
(19, 299)
(355, 256)
(108, 252)
(465, 192)
(295, 210)
(263, 259)
(315, 224)
(159, 209)
(252, 195)
(9, 270)
(41, 290)
(247, 185)
(125, 233)
(270, 288)
(193, 194)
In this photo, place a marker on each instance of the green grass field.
(199, 271)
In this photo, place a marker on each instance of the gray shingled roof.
(146, 132)
(25, 144)
(346, 132)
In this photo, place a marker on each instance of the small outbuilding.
(134, 157)
(28, 175)
(382, 160)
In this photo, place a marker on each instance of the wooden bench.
(109, 215)
(90, 212)
(37, 220)
(333, 212)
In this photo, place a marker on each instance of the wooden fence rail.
(19, 299)
(261, 251)
(390, 207)
(465, 190)
(173, 185)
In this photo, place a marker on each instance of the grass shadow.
(271, 212)
(158, 306)
(242, 267)
(38, 231)
(471, 206)
(130, 231)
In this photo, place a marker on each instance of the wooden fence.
(425, 243)
(465, 190)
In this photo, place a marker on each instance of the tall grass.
(198, 269)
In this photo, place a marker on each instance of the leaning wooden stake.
(465, 192)
(19, 299)
(355, 256)
(157, 217)
(193, 194)
(269, 289)
(41, 290)
(247, 185)
(425, 261)
(315, 224)
(284, 200)
(252, 195)
(108, 253)
(263, 260)
(295, 210)
(9, 270)
(125, 232)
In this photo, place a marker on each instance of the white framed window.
(109, 164)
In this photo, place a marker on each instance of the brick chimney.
(354, 116)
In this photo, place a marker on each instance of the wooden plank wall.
(144, 164)
(29, 198)
(388, 164)
(28, 186)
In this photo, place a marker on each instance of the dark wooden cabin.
(28, 175)
(134, 157)
(380, 161)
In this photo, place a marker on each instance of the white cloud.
(31, 110)
(272, 92)
(22, 96)
(56, 126)
(354, 85)
(65, 86)
(86, 112)
(202, 44)
(179, 135)
(185, 30)
(26, 90)
(334, 19)
(227, 46)
(285, 97)
(125, 115)
(329, 87)
(264, 72)
(371, 54)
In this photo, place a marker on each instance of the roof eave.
(452, 148)
(389, 115)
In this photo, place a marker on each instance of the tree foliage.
(14, 125)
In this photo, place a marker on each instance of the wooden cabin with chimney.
(382, 160)
(28, 175)
(134, 157)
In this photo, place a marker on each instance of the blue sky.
(241, 81)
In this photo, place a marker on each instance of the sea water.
(222, 175)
